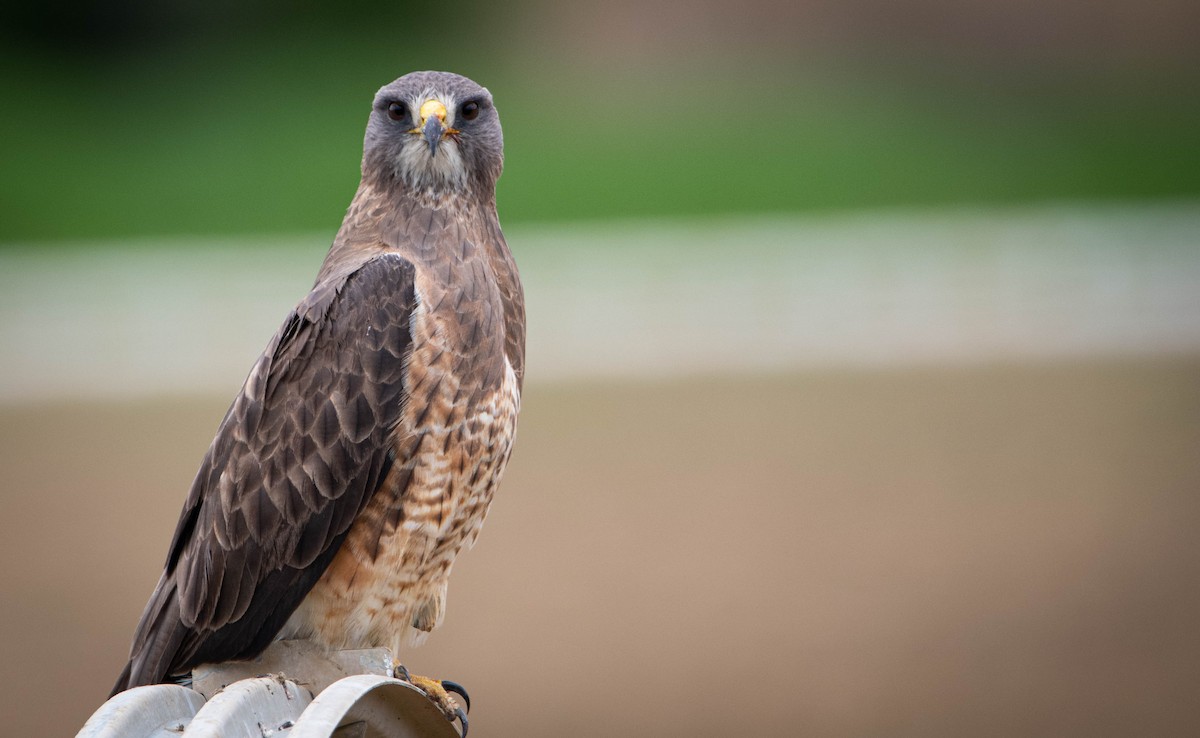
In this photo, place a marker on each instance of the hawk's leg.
(438, 691)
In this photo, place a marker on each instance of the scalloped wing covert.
(299, 454)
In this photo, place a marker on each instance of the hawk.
(362, 453)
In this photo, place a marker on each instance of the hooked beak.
(433, 124)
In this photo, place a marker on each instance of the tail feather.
(160, 638)
(123, 680)
(164, 647)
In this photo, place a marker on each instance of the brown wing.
(299, 454)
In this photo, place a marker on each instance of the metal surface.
(309, 665)
(373, 706)
(157, 711)
(272, 696)
(253, 708)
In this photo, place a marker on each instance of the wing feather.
(298, 455)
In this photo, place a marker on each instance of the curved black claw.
(457, 688)
(462, 718)
(401, 673)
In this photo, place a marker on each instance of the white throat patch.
(444, 170)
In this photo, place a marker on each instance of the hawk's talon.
(438, 691)
(458, 689)
(462, 718)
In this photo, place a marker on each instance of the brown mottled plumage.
(363, 451)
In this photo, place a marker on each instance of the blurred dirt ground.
(999, 550)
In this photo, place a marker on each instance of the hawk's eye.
(470, 110)
(397, 111)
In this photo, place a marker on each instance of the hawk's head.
(434, 131)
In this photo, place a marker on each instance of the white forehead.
(434, 93)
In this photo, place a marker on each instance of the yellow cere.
(431, 108)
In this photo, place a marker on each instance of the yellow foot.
(438, 691)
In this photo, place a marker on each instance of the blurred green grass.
(260, 134)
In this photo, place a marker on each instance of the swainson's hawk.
(362, 453)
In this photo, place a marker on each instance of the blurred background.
(864, 346)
